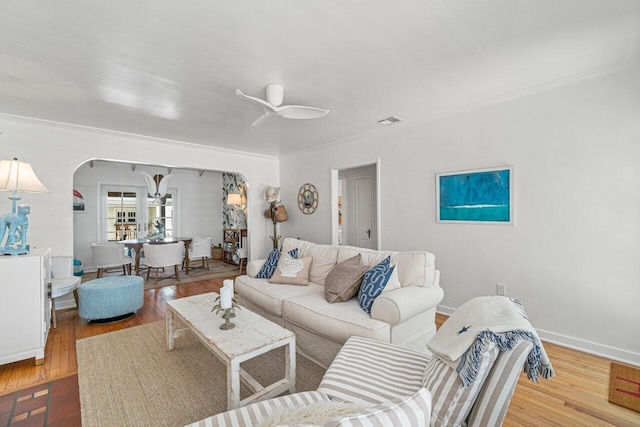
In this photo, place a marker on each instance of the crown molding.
(109, 132)
(486, 102)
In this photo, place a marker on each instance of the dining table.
(136, 245)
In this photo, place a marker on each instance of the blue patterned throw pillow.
(373, 284)
(271, 263)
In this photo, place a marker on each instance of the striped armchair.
(374, 372)
(392, 379)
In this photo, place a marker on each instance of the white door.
(127, 212)
(120, 213)
(364, 212)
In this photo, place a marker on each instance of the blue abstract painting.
(483, 195)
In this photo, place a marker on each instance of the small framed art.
(475, 196)
(79, 193)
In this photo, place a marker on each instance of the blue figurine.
(17, 225)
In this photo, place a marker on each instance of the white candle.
(226, 293)
(228, 283)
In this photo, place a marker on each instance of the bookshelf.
(232, 239)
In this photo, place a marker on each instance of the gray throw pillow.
(343, 281)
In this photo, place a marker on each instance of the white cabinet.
(25, 305)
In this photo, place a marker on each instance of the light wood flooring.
(577, 396)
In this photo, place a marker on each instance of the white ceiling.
(169, 69)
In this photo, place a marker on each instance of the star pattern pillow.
(373, 284)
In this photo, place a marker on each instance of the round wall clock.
(308, 199)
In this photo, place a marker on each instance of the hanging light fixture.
(157, 185)
(17, 177)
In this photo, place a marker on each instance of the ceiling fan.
(273, 106)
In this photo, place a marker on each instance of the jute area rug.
(217, 269)
(129, 378)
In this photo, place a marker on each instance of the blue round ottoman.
(110, 297)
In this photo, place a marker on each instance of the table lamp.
(235, 199)
(17, 177)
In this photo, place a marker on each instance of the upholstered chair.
(200, 248)
(62, 281)
(109, 255)
(159, 256)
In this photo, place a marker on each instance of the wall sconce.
(17, 177)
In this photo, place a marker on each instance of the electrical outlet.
(501, 289)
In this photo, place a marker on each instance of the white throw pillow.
(325, 257)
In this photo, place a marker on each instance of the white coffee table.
(253, 335)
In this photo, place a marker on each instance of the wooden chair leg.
(100, 270)
(175, 267)
(149, 273)
(124, 269)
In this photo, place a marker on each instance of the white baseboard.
(590, 347)
(447, 311)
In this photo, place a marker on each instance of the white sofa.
(404, 316)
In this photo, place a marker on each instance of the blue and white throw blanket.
(498, 319)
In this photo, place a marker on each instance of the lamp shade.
(19, 176)
(234, 199)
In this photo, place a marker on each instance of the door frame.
(334, 199)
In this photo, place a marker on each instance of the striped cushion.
(492, 403)
(414, 410)
(452, 402)
(373, 371)
(252, 415)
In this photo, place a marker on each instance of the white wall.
(198, 206)
(573, 256)
(55, 151)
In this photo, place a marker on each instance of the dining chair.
(242, 258)
(163, 255)
(62, 282)
(200, 248)
(109, 255)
